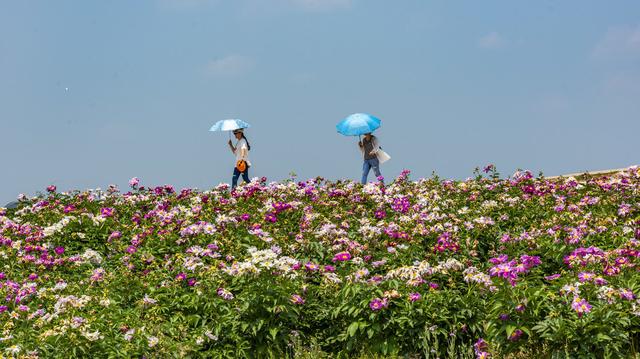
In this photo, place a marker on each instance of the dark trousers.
(236, 175)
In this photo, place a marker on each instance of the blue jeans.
(369, 164)
(236, 175)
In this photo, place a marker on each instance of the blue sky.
(96, 92)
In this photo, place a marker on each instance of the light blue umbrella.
(229, 125)
(358, 124)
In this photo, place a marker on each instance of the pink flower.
(134, 182)
(414, 297)
(181, 276)
(51, 188)
(59, 250)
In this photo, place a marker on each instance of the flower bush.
(428, 268)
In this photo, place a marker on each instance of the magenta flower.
(376, 304)
(3, 308)
(69, 208)
(342, 257)
(191, 282)
(33, 276)
(51, 188)
(414, 296)
(59, 250)
(553, 276)
(181, 276)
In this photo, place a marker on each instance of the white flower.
(13, 350)
(148, 301)
(129, 334)
(153, 341)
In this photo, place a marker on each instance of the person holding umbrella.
(240, 150)
(369, 147)
(363, 124)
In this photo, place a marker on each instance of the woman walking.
(369, 146)
(241, 150)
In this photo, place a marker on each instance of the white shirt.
(242, 144)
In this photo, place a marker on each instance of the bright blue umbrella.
(358, 124)
(229, 125)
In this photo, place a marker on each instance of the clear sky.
(96, 92)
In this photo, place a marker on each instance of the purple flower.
(271, 217)
(503, 317)
(627, 294)
(586, 276)
(191, 282)
(51, 188)
(380, 214)
(553, 276)
(488, 168)
(296, 299)
(581, 306)
(329, 268)
(414, 297)
(3, 308)
(131, 249)
(181, 276)
(520, 308)
(515, 336)
(503, 258)
(225, 294)
(33, 276)
(311, 267)
(106, 212)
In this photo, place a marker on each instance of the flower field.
(486, 267)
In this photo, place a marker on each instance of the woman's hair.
(248, 145)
